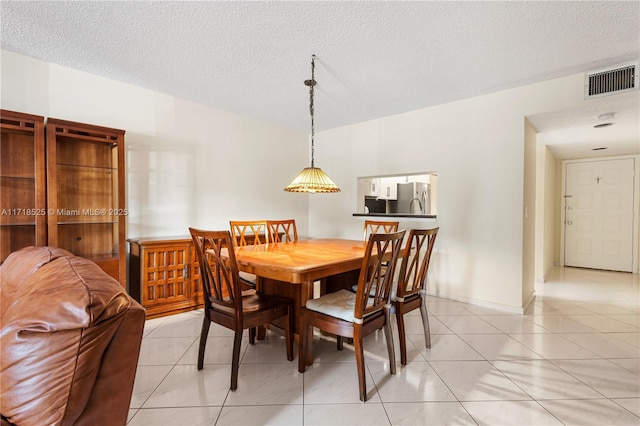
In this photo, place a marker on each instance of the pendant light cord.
(311, 83)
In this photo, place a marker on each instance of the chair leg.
(235, 360)
(388, 335)
(289, 333)
(252, 336)
(425, 322)
(302, 343)
(339, 341)
(402, 336)
(359, 350)
(262, 332)
(206, 323)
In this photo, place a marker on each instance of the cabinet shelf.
(9, 224)
(88, 222)
(30, 178)
(84, 166)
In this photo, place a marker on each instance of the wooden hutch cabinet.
(164, 275)
(62, 185)
(85, 193)
(23, 209)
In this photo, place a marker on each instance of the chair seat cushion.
(394, 292)
(253, 301)
(340, 304)
(248, 278)
(256, 301)
(372, 293)
(407, 297)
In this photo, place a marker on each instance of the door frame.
(635, 267)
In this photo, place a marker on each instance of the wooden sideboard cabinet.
(164, 275)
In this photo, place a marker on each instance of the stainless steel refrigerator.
(414, 198)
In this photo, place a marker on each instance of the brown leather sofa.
(70, 340)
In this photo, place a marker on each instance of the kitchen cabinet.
(389, 188)
(85, 193)
(23, 209)
(372, 187)
(164, 275)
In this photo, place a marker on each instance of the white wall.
(547, 213)
(477, 148)
(187, 164)
(558, 214)
(530, 214)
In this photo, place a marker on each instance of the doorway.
(599, 207)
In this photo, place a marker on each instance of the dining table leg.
(342, 281)
(298, 292)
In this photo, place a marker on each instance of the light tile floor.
(573, 359)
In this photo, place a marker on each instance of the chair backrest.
(374, 282)
(375, 227)
(282, 231)
(220, 278)
(415, 261)
(249, 232)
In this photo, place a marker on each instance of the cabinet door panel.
(165, 274)
(197, 293)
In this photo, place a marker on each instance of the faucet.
(419, 205)
(425, 202)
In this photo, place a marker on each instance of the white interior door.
(599, 214)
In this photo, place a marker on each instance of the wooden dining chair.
(358, 314)
(376, 226)
(282, 231)
(226, 304)
(248, 233)
(409, 292)
(370, 227)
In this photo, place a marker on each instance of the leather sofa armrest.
(111, 396)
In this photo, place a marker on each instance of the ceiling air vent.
(608, 81)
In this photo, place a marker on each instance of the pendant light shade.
(312, 179)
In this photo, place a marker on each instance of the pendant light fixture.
(312, 179)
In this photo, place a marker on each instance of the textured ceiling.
(373, 58)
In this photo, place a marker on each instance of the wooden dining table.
(290, 269)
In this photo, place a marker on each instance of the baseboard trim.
(482, 303)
